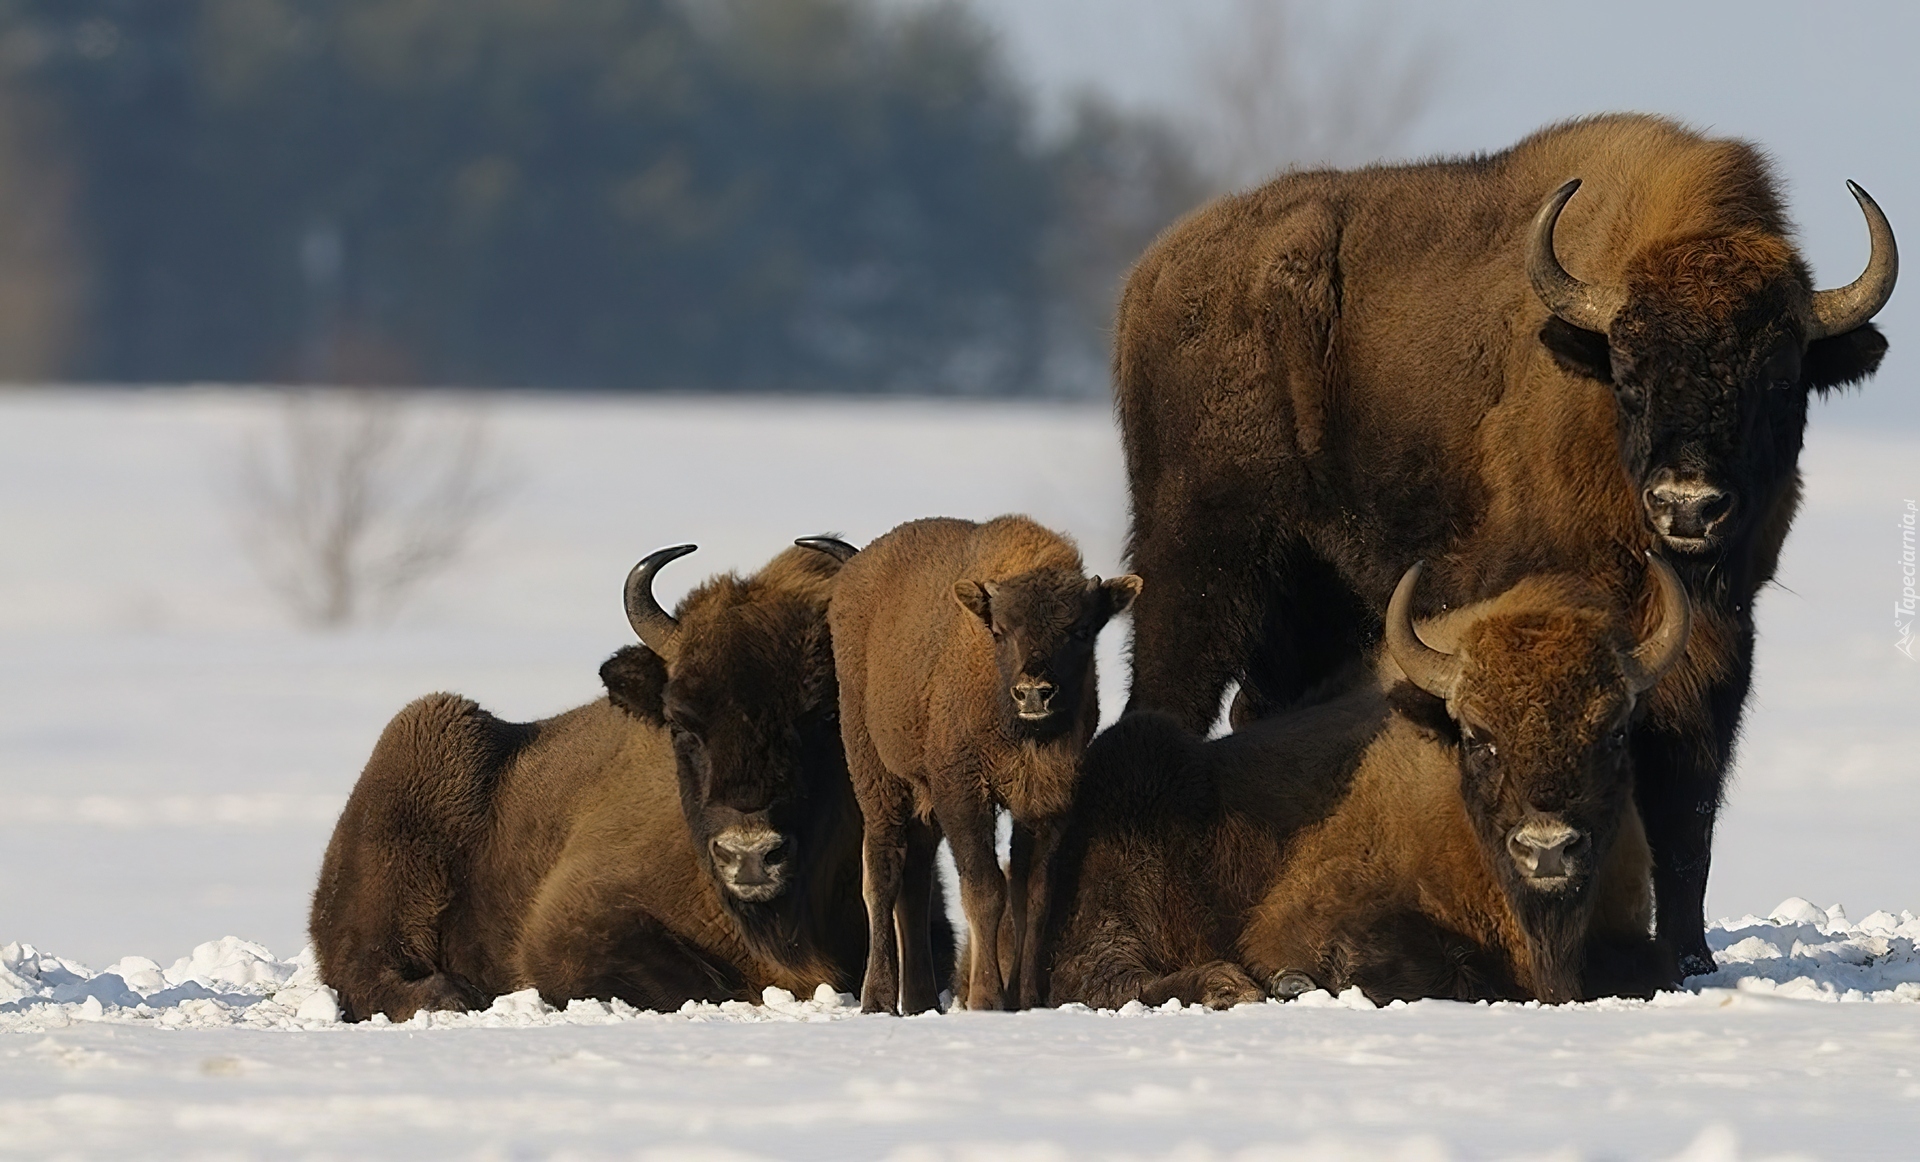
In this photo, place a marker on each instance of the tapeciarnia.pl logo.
(1903, 609)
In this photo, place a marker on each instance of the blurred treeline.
(654, 194)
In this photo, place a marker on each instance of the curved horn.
(655, 625)
(1663, 646)
(1432, 670)
(1836, 312)
(833, 547)
(1587, 305)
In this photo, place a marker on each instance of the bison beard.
(1325, 379)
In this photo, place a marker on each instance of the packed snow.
(173, 753)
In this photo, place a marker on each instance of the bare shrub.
(356, 498)
(1118, 181)
(1281, 83)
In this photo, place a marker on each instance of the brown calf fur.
(1476, 843)
(965, 658)
(693, 836)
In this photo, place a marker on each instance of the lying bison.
(965, 655)
(693, 836)
(1460, 824)
(1331, 376)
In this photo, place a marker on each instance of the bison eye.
(1617, 738)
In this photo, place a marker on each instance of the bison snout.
(1545, 850)
(752, 863)
(1689, 514)
(1033, 699)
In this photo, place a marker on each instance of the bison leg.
(883, 864)
(1627, 968)
(1218, 984)
(1314, 624)
(919, 982)
(606, 951)
(1014, 933)
(1680, 771)
(1029, 884)
(1120, 978)
(1678, 802)
(1402, 954)
(1204, 562)
(969, 824)
(399, 998)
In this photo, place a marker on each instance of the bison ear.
(1120, 592)
(1577, 350)
(636, 680)
(1842, 360)
(1426, 711)
(977, 598)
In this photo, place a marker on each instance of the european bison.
(691, 836)
(1459, 824)
(1336, 374)
(965, 656)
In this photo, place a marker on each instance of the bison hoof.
(1226, 991)
(1285, 986)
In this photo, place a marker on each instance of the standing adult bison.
(694, 835)
(1332, 376)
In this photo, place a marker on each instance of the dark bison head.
(1711, 345)
(743, 679)
(1539, 702)
(1042, 624)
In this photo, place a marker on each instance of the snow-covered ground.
(172, 754)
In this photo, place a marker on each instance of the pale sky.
(1831, 90)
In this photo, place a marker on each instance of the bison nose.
(1688, 510)
(1544, 848)
(753, 863)
(1031, 699)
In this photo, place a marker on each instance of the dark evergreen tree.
(731, 195)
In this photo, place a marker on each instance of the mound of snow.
(1805, 952)
(1798, 952)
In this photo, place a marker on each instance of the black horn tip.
(833, 547)
(662, 556)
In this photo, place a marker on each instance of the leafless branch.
(1280, 84)
(356, 499)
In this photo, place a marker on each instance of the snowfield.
(232, 1052)
(172, 755)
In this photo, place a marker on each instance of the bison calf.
(1460, 823)
(965, 659)
(693, 836)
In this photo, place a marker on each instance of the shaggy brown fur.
(1329, 377)
(1364, 839)
(577, 855)
(965, 656)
